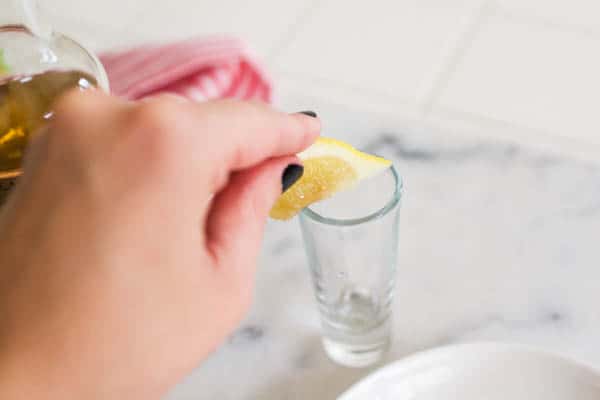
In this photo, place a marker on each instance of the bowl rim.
(454, 350)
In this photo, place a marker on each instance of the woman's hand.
(128, 250)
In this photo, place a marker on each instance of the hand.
(128, 250)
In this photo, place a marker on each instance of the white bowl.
(480, 372)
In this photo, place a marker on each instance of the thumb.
(239, 212)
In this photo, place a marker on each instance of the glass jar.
(29, 48)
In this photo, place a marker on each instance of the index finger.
(243, 134)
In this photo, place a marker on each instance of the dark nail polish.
(290, 175)
(309, 113)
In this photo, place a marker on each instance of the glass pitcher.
(37, 64)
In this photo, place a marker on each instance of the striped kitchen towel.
(199, 69)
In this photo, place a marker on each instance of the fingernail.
(309, 113)
(290, 175)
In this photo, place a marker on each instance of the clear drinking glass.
(351, 241)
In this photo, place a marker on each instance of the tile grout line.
(478, 122)
(541, 136)
(346, 95)
(524, 17)
(335, 85)
(455, 51)
(303, 17)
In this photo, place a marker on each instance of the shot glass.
(351, 241)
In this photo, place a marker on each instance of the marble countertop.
(499, 242)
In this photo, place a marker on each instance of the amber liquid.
(26, 106)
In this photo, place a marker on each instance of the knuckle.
(155, 127)
(70, 108)
(157, 116)
(73, 114)
(73, 101)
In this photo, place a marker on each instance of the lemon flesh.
(330, 166)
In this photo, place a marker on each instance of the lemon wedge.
(330, 166)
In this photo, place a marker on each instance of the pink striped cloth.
(199, 69)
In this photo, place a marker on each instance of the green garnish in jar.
(3, 67)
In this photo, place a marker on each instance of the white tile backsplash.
(540, 78)
(529, 67)
(390, 47)
(262, 23)
(110, 15)
(91, 35)
(584, 13)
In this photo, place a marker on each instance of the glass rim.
(384, 210)
(99, 73)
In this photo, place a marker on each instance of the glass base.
(352, 355)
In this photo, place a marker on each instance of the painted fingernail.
(309, 113)
(290, 175)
